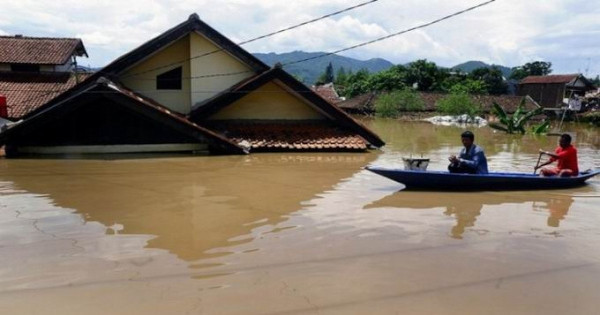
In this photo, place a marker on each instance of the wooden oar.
(538, 162)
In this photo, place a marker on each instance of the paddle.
(538, 161)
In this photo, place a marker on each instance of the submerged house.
(550, 90)
(34, 70)
(188, 89)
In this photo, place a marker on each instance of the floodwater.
(297, 233)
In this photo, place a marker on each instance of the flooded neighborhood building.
(550, 90)
(188, 89)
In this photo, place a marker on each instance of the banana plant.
(516, 122)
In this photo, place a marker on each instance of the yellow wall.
(216, 63)
(145, 84)
(269, 102)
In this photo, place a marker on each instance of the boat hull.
(437, 180)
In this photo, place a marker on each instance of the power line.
(256, 38)
(391, 35)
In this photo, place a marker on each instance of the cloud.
(508, 32)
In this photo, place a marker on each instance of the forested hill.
(310, 70)
(472, 65)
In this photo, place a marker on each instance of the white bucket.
(415, 164)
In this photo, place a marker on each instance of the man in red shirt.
(566, 155)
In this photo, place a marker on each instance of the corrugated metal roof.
(27, 91)
(544, 79)
(39, 50)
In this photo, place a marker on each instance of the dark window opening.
(17, 67)
(170, 80)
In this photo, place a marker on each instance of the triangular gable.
(203, 111)
(123, 97)
(193, 24)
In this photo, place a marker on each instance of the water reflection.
(191, 205)
(465, 208)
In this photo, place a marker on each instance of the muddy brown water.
(297, 233)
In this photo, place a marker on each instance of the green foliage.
(356, 84)
(531, 68)
(458, 103)
(388, 80)
(541, 128)
(341, 77)
(592, 118)
(424, 75)
(469, 86)
(393, 103)
(327, 76)
(492, 78)
(516, 122)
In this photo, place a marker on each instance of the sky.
(505, 32)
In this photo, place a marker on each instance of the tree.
(531, 68)
(391, 79)
(458, 103)
(341, 77)
(423, 74)
(327, 76)
(357, 83)
(393, 103)
(492, 78)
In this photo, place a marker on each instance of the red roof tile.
(291, 136)
(27, 91)
(328, 92)
(366, 102)
(39, 50)
(558, 78)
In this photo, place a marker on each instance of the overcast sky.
(506, 32)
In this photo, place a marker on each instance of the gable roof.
(39, 50)
(544, 79)
(192, 24)
(328, 92)
(26, 91)
(125, 97)
(206, 109)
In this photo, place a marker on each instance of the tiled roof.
(366, 102)
(327, 91)
(39, 50)
(540, 79)
(141, 104)
(27, 91)
(291, 136)
(203, 111)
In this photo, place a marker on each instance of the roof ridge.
(43, 37)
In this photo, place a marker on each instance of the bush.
(593, 118)
(393, 103)
(458, 104)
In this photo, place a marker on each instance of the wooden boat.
(439, 180)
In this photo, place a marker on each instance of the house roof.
(292, 136)
(545, 79)
(366, 102)
(39, 50)
(328, 92)
(125, 97)
(192, 24)
(27, 91)
(206, 109)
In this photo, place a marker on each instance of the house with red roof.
(34, 70)
(550, 90)
(189, 89)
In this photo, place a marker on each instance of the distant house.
(365, 103)
(550, 90)
(188, 89)
(328, 92)
(34, 70)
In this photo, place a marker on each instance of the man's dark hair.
(467, 134)
(566, 137)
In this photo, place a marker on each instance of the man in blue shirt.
(471, 159)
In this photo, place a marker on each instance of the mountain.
(472, 65)
(309, 71)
